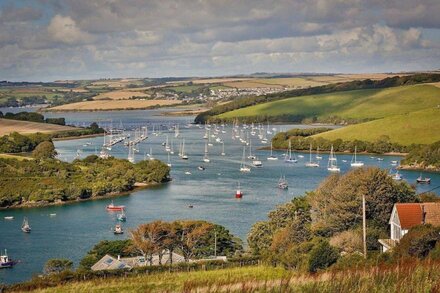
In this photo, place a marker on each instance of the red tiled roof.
(432, 213)
(410, 214)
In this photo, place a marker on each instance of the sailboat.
(318, 157)
(288, 158)
(272, 157)
(177, 133)
(122, 217)
(169, 161)
(332, 162)
(310, 163)
(205, 157)
(397, 176)
(251, 157)
(223, 149)
(25, 226)
(238, 193)
(171, 148)
(167, 146)
(282, 183)
(243, 167)
(183, 156)
(420, 179)
(130, 153)
(150, 155)
(354, 161)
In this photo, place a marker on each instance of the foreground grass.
(409, 277)
(420, 127)
(358, 104)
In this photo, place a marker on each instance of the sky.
(45, 40)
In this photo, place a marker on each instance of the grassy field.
(359, 104)
(9, 156)
(415, 127)
(407, 277)
(7, 126)
(112, 105)
(120, 95)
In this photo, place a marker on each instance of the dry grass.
(120, 95)
(113, 105)
(7, 126)
(119, 83)
(9, 156)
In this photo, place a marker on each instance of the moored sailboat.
(282, 183)
(272, 157)
(289, 158)
(332, 162)
(243, 167)
(25, 227)
(354, 161)
(310, 163)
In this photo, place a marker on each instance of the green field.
(420, 127)
(358, 104)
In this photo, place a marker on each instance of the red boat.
(112, 207)
(238, 193)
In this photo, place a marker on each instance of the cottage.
(407, 215)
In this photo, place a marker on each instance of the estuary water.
(78, 226)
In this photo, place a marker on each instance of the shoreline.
(341, 153)
(41, 204)
(77, 137)
(107, 110)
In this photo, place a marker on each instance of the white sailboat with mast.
(243, 167)
(205, 157)
(183, 155)
(354, 161)
(310, 163)
(332, 164)
(271, 157)
(223, 149)
(289, 158)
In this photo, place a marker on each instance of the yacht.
(354, 161)
(332, 162)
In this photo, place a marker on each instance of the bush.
(44, 150)
(322, 256)
(57, 265)
(418, 242)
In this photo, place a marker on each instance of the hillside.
(419, 127)
(113, 105)
(7, 126)
(350, 105)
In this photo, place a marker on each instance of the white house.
(407, 215)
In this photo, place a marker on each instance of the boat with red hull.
(238, 193)
(111, 207)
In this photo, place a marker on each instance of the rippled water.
(78, 226)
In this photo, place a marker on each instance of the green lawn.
(358, 104)
(420, 127)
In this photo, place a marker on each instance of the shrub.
(322, 256)
(418, 242)
(57, 265)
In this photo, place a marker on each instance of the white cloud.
(64, 29)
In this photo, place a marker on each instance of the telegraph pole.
(215, 244)
(364, 226)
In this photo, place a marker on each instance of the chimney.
(423, 215)
(119, 257)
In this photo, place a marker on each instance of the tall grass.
(411, 276)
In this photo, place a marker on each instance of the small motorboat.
(396, 176)
(257, 163)
(238, 193)
(394, 163)
(52, 215)
(187, 173)
(9, 218)
(25, 226)
(122, 217)
(118, 229)
(5, 261)
(380, 159)
(201, 168)
(112, 207)
(425, 180)
(190, 206)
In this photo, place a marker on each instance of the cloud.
(107, 38)
(64, 29)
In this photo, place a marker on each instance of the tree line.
(242, 102)
(32, 117)
(45, 180)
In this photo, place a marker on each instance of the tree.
(44, 150)
(260, 237)
(193, 236)
(57, 265)
(322, 256)
(337, 202)
(418, 242)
